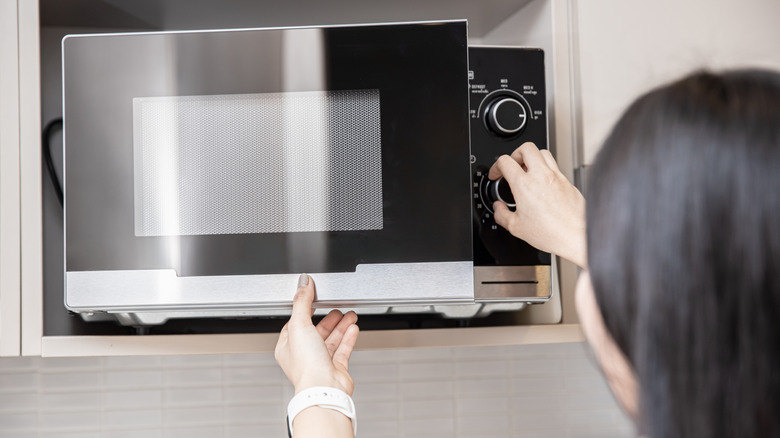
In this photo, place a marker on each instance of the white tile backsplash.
(438, 427)
(18, 422)
(194, 432)
(132, 379)
(249, 394)
(254, 374)
(138, 433)
(515, 391)
(432, 408)
(482, 405)
(479, 368)
(18, 381)
(482, 387)
(131, 362)
(18, 402)
(426, 390)
(379, 429)
(132, 399)
(490, 425)
(69, 381)
(182, 377)
(380, 410)
(68, 401)
(201, 415)
(410, 372)
(131, 419)
(193, 396)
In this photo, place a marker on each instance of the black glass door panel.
(401, 197)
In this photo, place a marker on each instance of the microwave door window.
(290, 162)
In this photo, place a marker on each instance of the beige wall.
(628, 46)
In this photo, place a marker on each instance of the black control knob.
(499, 190)
(506, 116)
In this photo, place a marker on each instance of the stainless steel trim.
(512, 283)
(370, 285)
(246, 29)
(161, 317)
(503, 46)
(452, 311)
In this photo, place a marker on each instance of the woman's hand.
(316, 356)
(550, 210)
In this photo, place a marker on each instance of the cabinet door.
(10, 265)
(30, 207)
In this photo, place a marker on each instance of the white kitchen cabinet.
(10, 282)
(20, 184)
(541, 23)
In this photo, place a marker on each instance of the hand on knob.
(499, 190)
(550, 211)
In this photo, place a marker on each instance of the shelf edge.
(82, 346)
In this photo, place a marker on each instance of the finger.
(518, 155)
(505, 166)
(328, 323)
(334, 338)
(504, 216)
(548, 158)
(529, 155)
(303, 299)
(344, 350)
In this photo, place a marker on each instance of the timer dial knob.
(505, 116)
(498, 190)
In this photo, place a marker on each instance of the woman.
(679, 296)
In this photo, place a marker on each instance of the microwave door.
(206, 170)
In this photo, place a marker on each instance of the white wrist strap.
(322, 396)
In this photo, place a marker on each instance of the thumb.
(503, 215)
(303, 299)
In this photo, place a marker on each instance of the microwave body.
(205, 170)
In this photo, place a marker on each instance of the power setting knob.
(505, 116)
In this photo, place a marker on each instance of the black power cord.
(50, 128)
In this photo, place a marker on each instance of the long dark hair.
(683, 232)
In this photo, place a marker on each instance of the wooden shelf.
(61, 346)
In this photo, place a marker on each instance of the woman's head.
(683, 218)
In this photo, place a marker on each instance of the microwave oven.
(204, 170)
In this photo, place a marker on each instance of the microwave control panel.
(508, 107)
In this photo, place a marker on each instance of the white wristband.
(322, 396)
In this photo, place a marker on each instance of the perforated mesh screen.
(257, 163)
